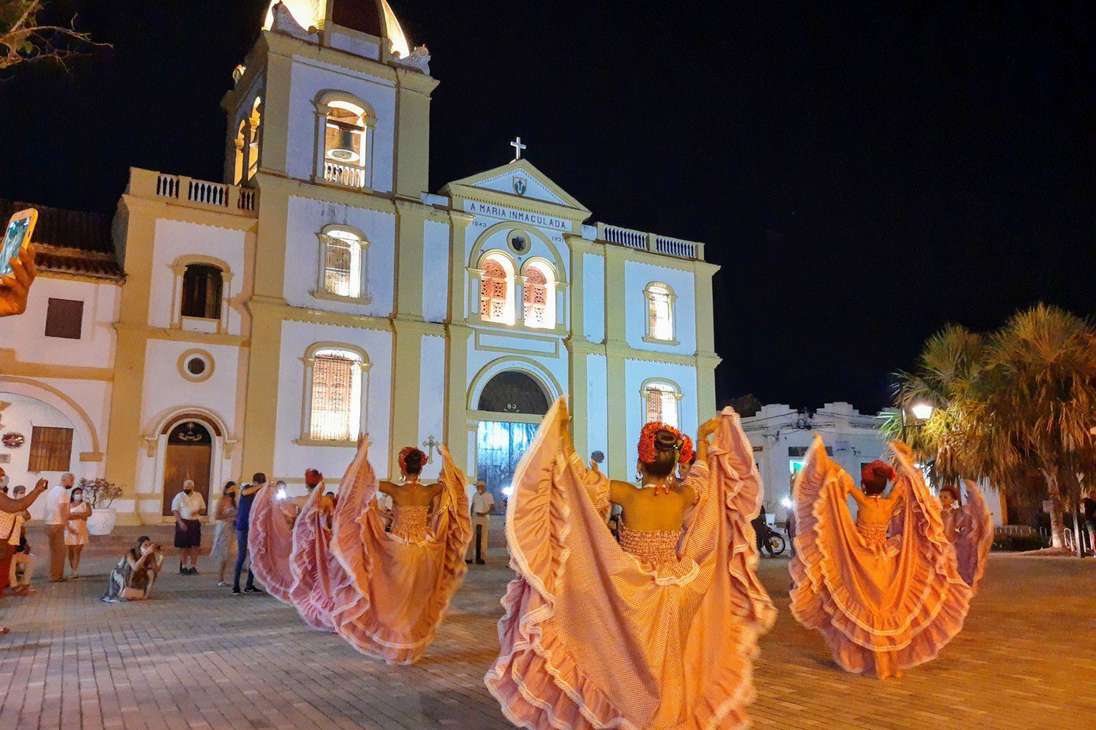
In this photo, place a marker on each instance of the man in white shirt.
(482, 504)
(187, 508)
(57, 514)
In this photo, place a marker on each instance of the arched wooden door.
(189, 455)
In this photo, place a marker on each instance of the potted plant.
(100, 494)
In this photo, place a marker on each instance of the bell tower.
(329, 121)
(373, 127)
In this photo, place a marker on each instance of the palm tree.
(946, 377)
(1036, 407)
(1020, 401)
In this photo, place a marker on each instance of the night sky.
(863, 176)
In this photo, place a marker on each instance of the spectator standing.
(482, 504)
(224, 534)
(57, 508)
(1089, 506)
(76, 532)
(187, 508)
(22, 562)
(761, 533)
(243, 523)
(10, 510)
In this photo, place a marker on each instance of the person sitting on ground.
(134, 575)
(22, 562)
(76, 532)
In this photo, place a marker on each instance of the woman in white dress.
(223, 550)
(76, 536)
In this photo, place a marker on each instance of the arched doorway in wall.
(189, 455)
(510, 407)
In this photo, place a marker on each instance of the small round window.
(196, 365)
(518, 242)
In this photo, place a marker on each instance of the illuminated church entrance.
(513, 404)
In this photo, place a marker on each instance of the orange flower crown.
(878, 471)
(647, 451)
(407, 451)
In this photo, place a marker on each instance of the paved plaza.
(198, 657)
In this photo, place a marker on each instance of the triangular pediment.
(519, 179)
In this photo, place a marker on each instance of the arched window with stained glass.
(497, 289)
(539, 296)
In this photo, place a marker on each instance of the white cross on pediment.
(518, 147)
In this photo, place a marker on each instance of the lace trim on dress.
(654, 547)
(410, 523)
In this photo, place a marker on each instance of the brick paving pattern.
(198, 657)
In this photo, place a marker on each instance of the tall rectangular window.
(660, 312)
(661, 402)
(342, 264)
(202, 285)
(50, 449)
(335, 398)
(64, 318)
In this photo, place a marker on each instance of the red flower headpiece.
(407, 451)
(647, 451)
(877, 473)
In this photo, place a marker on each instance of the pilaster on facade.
(456, 385)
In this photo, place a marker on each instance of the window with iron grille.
(661, 400)
(342, 264)
(336, 396)
(50, 449)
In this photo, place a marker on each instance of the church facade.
(263, 322)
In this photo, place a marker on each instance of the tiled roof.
(70, 241)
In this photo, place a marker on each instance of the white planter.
(102, 521)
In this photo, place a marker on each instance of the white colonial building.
(780, 436)
(260, 323)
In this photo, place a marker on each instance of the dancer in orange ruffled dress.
(310, 560)
(270, 542)
(659, 631)
(404, 579)
(884, 590)
(970, 529)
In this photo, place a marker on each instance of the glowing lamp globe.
(922, 411)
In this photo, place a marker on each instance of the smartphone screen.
(16, 233)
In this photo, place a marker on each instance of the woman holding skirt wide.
(404, 578)
(658, 631)
(884, 590)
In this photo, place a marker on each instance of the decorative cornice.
(182, 335)
(165, 208)
(11, 365)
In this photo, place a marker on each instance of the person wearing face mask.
(57, 508)
(76, 531)
(187, 507)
